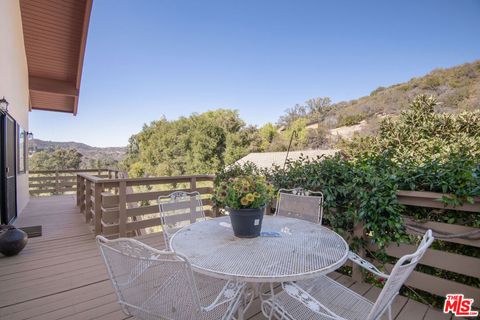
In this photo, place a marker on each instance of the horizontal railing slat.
(445, 228)
(110, 199)
(457, 263)
(433, 200)
(439, 286)
(142, 224)
(42, 191)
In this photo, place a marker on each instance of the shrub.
(419, 134)
(355, 190)
(350, 120)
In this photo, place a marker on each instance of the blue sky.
(146, 59)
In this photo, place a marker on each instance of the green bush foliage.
(435, 152)
(355, 191)
(351, 119)
(419, 150)
(457, 176)
(58, 159)
(198, 144)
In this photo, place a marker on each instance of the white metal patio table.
(303, 250)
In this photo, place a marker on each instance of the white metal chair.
(300, 203)
(179, 209)
(324, 298)
(154, 284)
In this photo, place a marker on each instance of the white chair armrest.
(296, 292)
(230, 292)
(355, 258)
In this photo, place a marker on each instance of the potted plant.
(245, 199)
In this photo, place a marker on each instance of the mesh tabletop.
(303, 250)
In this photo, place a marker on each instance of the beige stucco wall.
(14, 77)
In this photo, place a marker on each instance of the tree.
(58, 159)
(292, 114)
(316, 105)
(281, 141)
(312, 109)
(201, 143)
(241, 143)
(267, 134)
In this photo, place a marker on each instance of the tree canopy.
(198, 144)
(58, 159)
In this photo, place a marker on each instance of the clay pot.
(12, 240)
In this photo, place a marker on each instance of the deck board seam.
(52, 294)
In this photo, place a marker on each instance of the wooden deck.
(61, 275)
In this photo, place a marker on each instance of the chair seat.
(337, 298)
(208, 290)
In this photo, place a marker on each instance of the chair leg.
(236, 307)
(248, 296)
(389, 312)
(272, 294)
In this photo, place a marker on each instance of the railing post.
(79, 186)
(115, 175)
(358, 232)
(82, 194)
(57, 183)
(97, 207)
(88, 201)
(193, 184)
(122, 209)
(215, 212)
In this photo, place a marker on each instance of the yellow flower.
(256, 194)
(244, 201)
(250, 197)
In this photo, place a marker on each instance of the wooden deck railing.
(442, 260)
(126, 206)
(55, 182)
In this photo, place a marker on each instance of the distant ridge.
(90, 154)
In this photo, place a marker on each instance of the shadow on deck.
(61, 275)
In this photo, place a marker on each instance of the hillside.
(207, 142)
(456, 89)
(92, 156)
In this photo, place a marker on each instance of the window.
(21, 151)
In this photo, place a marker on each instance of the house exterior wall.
(14, 78)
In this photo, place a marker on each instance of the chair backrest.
(177, 210)
(150, 284)
(300, 203)
(400, 273)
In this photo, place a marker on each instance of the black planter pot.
(12, 240)
(246, 223)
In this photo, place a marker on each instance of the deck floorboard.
(60, 275)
